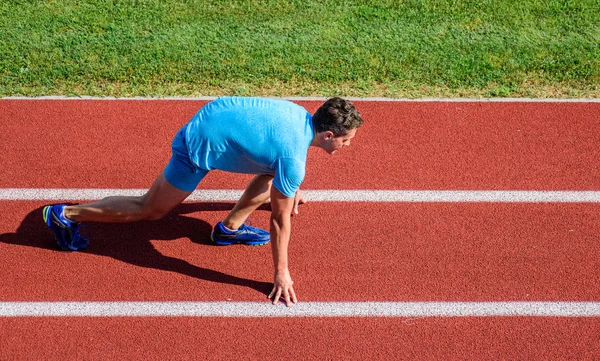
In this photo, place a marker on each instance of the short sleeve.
(289, 174)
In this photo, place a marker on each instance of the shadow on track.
(130, 242)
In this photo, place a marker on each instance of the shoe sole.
(46, 211)
(219, 243)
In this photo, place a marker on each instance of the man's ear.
(329, 135)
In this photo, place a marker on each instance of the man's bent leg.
(159, 200)
(257, 192)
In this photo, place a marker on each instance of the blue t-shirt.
(255, 136)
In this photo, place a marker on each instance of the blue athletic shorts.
(180, 171)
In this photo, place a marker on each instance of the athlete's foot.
(66, 232)
(246, 234)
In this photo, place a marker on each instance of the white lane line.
(295, 98)
(302, 309)
(211, 195)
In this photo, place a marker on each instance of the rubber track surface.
(339, 251)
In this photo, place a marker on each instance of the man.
(266, 137)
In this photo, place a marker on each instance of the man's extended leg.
(158, 201)
(65, 220)
(232, 229)
(179, 178)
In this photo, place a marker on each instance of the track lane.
(398, 252)
(403, 145)
(301, 339)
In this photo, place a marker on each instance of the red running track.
(339, 251)
(403, 145)
(400, 252)
(300, 339)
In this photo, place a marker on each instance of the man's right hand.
(298, 199)
(283, 288)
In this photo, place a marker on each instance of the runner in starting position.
(266, 137)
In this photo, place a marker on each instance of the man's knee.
(153, 212)
(263, 180)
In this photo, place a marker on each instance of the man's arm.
(281, 209)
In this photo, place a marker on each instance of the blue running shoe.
(66, 232)
(246, 234)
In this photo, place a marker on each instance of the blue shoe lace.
(247, 227)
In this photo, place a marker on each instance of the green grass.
(412, 48)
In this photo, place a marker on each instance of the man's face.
(334, 143)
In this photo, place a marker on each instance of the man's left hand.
(283, 288)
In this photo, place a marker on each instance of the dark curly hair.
(338, 116)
